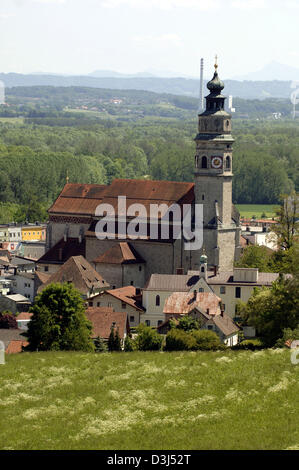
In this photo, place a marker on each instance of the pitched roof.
(7, 335)
(225, 324)
(24, 316)
(125, 294)
(120, 253)
(102, 319)
(185, 302)
(17, 298)
(80, 273)
(41, 277)
(172, 282)
(16, 346)
(63, 250)
(84, 198)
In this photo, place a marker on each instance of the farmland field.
(184, 400)
(248, 210)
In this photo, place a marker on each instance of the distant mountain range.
(273, 81)
(272, 71)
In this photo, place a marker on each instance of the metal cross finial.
(216, 64)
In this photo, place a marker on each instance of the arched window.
(157, 300)
(204, 162)
(196, 161)
(227, 163)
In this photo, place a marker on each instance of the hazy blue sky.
(79, 36)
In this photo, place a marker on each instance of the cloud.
(163, 4)
(146, 40)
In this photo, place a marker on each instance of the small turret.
(203, 267)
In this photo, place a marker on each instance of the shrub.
(188, 323)
(8, 321)
(100, 345)
(129, 344)
(148, 339)
(288, 334)
(179, 340)
(249, 344)
(207, 340)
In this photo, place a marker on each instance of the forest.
(39, 149)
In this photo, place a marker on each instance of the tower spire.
(216, 63)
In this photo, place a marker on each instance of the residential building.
(205, 307)
(23, 320)
(77, 271)
(14, 340)
(125, 299)
(14, 303)
(23, 283)
(103, 319)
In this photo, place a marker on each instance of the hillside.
(150, 401)
(247, 89)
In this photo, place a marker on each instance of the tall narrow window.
(238, 292)
(204, 162)
(157, 300)
(227, 163)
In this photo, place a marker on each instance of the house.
(77, 271)
(104, 318)
(33, 232)
(14, 303)
(23, 283)
(121, 265)
(23, 264)
(23, 320)
(160, 286)
(125, 299)
(232, 287)
(13, 340)
(64, 249)
(238, 285)
(206, 307)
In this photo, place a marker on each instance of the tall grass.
(195, 400)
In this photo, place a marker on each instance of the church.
(126, 261)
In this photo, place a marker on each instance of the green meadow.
(151, 400)
(248, 210)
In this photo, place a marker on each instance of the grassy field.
(195, 400)
(248, 210)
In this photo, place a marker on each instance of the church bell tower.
(213, 179)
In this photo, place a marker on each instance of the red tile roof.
(16, 346)
(102, 319)
(84, 198)
(120, 253)
(185, 302)
(24, 316)
(125, 294)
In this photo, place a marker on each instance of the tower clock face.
(216, 162)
